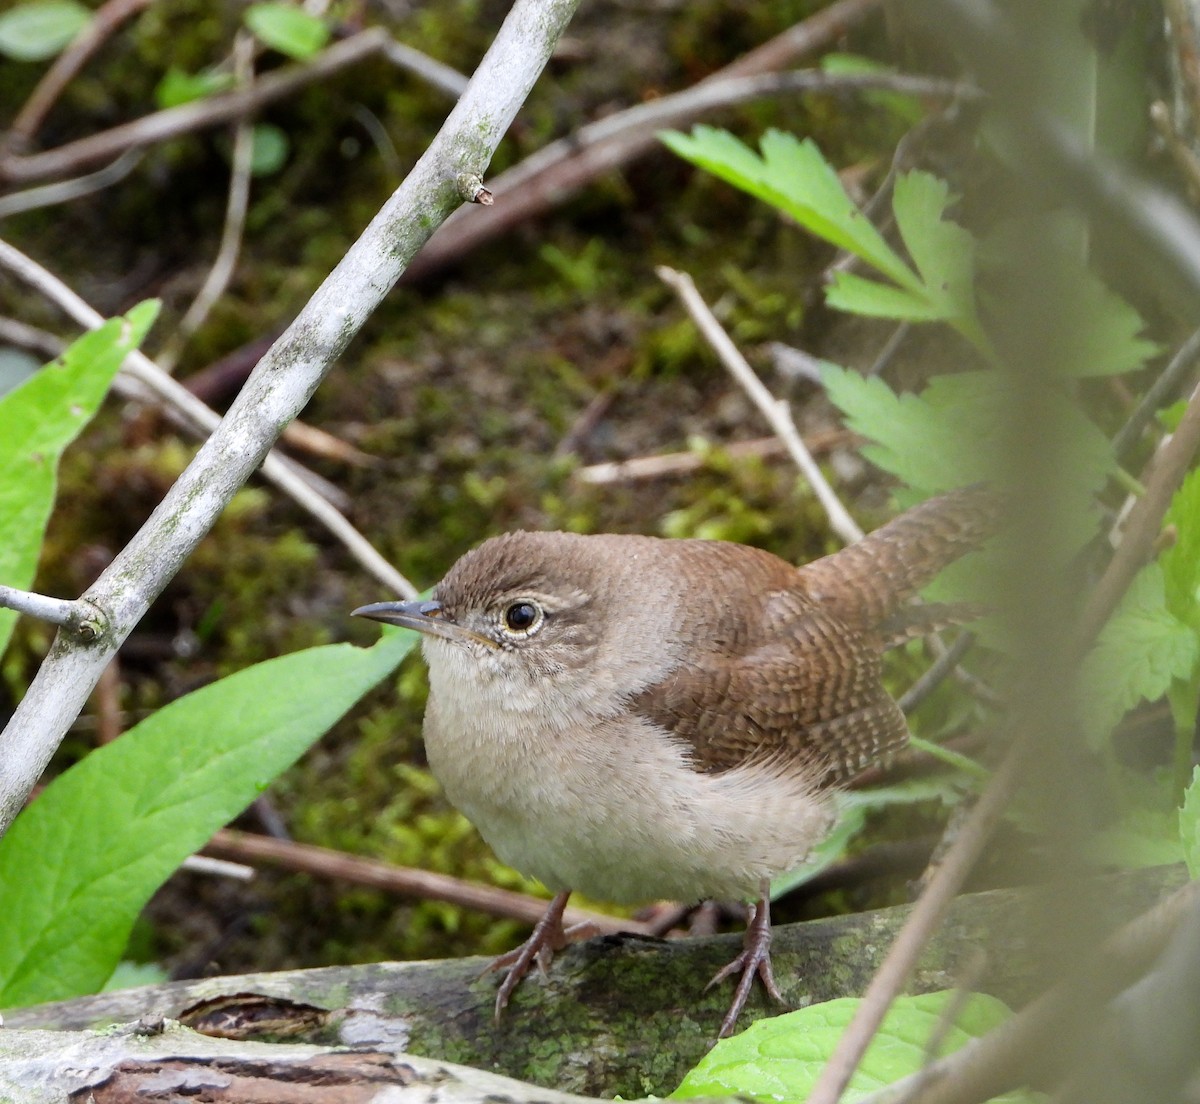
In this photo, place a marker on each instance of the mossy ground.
(472, 391)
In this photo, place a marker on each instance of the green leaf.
(39, 30)
(1143, 837)
(794, 177)
(80, 862)
(178, 87)
(943, 251)
(38, 419)
(1181, 560)
(857, 295)
(271, 148)
(777, 1060)
(1189, 825)
(1139, 653)
(287, 28)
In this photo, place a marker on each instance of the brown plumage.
(640, 718)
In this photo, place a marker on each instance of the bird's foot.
(547, 938)
(754, 961)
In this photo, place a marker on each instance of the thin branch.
(776, 411)
(1158, 394)
(433, 72)
(936, 673)
(280, 386)
(551, 176)
(1001, 1060)
(928, 912)
(30, 338)
(142, 371)
(670, 464)
(404, 881)
(1144, 521)
(174, 121)
(104, 21)
(58, 611)
(63, 191)
(222, 268)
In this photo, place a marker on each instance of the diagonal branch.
(280, 386)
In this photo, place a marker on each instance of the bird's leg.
(755, 959)
(547, 937)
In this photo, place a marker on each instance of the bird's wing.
(810, 694)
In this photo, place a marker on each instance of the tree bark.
(616, 1015)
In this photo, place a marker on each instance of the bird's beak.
(426, 617)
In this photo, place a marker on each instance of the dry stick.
(284, 473)
(1140, 532)
(776, 411)
(279, 388)
(1158, 394)
(988, 1066)
(406, 881)
(223, 265)
(58, 611)
(1145, 519)
(174, 121)
(63, 191)
(684, 463)
(552, 175)
(106, 19)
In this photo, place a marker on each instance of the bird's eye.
(522, 616)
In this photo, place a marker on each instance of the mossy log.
(615, 1015)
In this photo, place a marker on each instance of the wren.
(643, 719)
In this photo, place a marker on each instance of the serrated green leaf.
(80, 862)
(1096, 332)
(38, 419)
(1139, 653)
(1189, 825)
(40, 29)
(793, 176)
(287, 28)
(943, 251)
(777, 1060)
(177, 87)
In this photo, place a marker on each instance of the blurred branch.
(104, 21)
(174, 121)
(63, 191)
(222, 268)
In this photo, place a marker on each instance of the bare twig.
(280, 386)
(104, 21)
(1145, 520)
(432, 72)
(684, 463)
(1158, 394)
(403, 880)
(776, 411)
(552, 175)
(936, 673)
(63, 191)
(58, 611)
(222, 268)
(1003, 1059)
(30, 338)
(281, 471)
(174, 121)
(926, 915)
